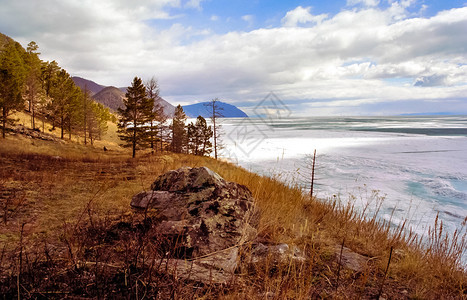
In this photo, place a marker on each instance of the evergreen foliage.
(136, 115)
(48, 91)
(199, 137)
(179, 133)
(12, 79)
(33, 81)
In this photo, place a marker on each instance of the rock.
(276, 254)
(34, 133)
(196, 270)
(350, 259)
(188, 180)
(204, 218)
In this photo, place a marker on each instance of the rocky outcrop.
(35, 134)
(209, 227)
(205, 218)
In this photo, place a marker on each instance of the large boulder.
(206, 219)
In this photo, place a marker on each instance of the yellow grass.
(69, 183)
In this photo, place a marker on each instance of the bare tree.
(215, 112)
(157, 118)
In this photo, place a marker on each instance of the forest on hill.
(47, 92)
(50, 95)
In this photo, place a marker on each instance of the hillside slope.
(111, 97)
(90, 85)
(169, 109)
(4, 40)
(65, 216)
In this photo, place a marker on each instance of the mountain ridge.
(112, 97)
(201, 109)
(90, 85)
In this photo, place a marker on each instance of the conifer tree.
(98, 116)
(199, 137)
(12, 78)
(62, 91)
(135, 116)
(49, 72)
(179, 134)
(33, 79)
(86, 103)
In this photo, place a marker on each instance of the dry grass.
(63, 203)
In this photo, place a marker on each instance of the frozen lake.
(419, 164)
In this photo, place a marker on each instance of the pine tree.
(135, 116)
(179, 134)
(49, 72)
(73, 113)
(98, 116)
(12, 78)
(86, 103)
(199, 137)
(33, 79)
(62, 91)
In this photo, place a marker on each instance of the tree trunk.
(61, 124)
(152, 136)
(31, 107)
(134, 140)
(204, 147)
(4, 122)
(161, 138)
(69, 130)
(85, 114)
(33, 118)
(215, 135)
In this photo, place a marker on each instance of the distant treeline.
(142, 124)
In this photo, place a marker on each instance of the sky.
(348, 57)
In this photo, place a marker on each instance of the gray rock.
(351, 260)
(208, 217)
(276, 253)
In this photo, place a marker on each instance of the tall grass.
(75, 228)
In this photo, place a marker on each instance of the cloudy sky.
(344, 57)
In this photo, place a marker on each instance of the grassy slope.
(86, 186)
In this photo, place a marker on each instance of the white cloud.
(214, 18)
(301, 15)
(364, 2)
(194, 4)
(433, 80)
(363, 56)
(249, 19)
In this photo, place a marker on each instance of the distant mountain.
(93, 87)
(169, 109)
(430, 114)
(200, 109)
(111, 97)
